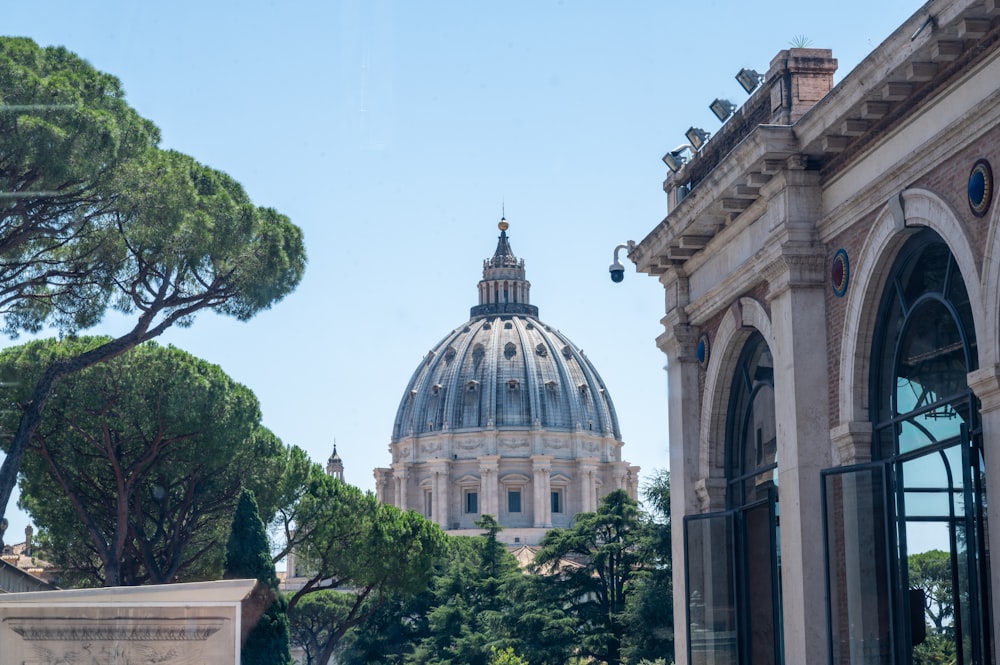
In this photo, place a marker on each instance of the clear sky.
(395, 133)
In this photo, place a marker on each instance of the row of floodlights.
(749, 79)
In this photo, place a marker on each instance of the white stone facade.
(505, 417)
(794, 229)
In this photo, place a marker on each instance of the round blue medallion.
(703, 349)
(840, 273)
(980, 187)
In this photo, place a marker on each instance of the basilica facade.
(831, 266)
(506, 417)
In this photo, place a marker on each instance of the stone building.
(505, 416)
(831, 266)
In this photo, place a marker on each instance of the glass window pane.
(931, 365)
(711, 601)
(514, 501)
(857, 567)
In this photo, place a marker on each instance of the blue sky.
(394, 133)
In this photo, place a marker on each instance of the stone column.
(399, 476)
(797, 290)
(542, 467)
(489, 488)
(441, 487)
(985, 383)
(679, 343)
(587, 484)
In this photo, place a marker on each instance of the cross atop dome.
(504, 289)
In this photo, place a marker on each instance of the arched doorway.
(906, 547)
(733, 558)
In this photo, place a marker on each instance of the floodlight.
(722, 108)
(696, 136)
(675, 159)
(749, 79)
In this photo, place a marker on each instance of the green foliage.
(649, 610)
(607, 545)
(931, 571)
(94, 215)
(248, 557)
(347, 538)
(601, 586)
(134, 471)
(505, 657)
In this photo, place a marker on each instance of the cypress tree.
(248, 557)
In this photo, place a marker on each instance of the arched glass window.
(733, 560)
(907, 552)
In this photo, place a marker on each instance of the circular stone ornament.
(980, 187)
(840, 273)
(703, 350)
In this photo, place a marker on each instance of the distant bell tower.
(335, 465)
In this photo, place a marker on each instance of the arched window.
(734, 572)
(907, 552)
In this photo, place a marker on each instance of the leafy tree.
(931, 571)
(471, 605)
(532, 621)
(649, 609)
(606, 545)
(134, 471)
(94, 216)
(248, 556)
(348, 539)
(505, 657)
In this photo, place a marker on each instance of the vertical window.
(472, 502)
(514, 501)
(733, 570)
(917, 513)
(428, 505)
(557, 506)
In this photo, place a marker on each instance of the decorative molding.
(68, 629)
(853, 442)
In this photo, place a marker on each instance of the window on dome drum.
(907, 548)
(557, 504)
(514, 501)
(733, 561)
(428, 505)
(472, 502)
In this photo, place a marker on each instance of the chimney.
(28, 531)
(798, 78)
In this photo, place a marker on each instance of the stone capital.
(853, 442)
(985, 383)
(796, 267)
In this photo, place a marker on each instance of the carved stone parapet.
(852, 442)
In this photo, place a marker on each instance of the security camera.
(617, 271)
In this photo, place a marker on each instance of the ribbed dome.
(505, 369)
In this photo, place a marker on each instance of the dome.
(505, 416)
(505, 369)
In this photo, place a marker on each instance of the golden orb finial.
(503, 225)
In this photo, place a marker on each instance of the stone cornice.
(66, 629)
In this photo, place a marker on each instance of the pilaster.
(985, 383)
(541, 466)
(801, 395)
(679, 343)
